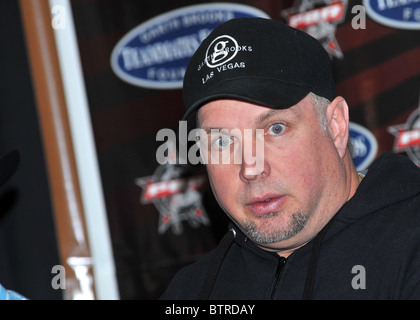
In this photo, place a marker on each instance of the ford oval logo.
(365, 146)
(397, 14)
(156, 53)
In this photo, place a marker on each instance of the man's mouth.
(265, 204)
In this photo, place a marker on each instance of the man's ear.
(338, 124)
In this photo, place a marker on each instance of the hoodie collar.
(391, 178)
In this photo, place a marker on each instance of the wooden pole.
(64, 184)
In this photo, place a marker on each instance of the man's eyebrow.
(273, 112)
(206, 129)
(215, 130)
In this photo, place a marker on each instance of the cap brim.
(264, 91)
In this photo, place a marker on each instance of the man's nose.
(251, 172)
(253, 164)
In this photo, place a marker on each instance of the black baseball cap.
(257, 60)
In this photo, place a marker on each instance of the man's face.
(284, 202)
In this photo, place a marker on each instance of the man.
(305, 223)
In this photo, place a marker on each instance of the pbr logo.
(175, 191)
(407, 136)
(364, 146)
(319, 18)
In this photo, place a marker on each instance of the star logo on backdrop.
(407, 136)
(319, 18)
(174, 189)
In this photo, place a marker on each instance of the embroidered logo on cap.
(219, 54)
(221, 50)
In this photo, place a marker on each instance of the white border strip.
(85, 153)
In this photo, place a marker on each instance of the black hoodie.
(369, 250)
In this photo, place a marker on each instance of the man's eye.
(222, 142)
(276, 129)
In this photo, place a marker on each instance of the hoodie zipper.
(279, 271)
